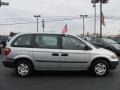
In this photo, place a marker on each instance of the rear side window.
(46, 41)
(22, 41)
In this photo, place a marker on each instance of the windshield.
(109, 41)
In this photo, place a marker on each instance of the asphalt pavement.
(58, 80)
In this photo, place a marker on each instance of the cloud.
(27, 8)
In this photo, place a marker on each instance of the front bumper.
(113, 64)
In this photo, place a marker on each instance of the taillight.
(7, 51)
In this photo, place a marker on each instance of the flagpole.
(100, 19)
(94, 5)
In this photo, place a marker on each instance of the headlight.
(114, 56)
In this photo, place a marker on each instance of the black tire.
(24, 67)
(95, 66)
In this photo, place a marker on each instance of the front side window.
(22, 41)
(46, 41)
(70, 42)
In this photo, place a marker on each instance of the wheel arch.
(24, 59)
(100, 58)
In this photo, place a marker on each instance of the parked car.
(107, 44)
(28, 52)
(117, 40)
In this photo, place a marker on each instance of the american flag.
(102, 19)
(65, 29)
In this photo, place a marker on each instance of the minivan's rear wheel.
(23, 68)
(99, 68)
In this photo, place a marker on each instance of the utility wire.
(49, 19)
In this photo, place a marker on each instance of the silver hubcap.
(23, 69)
(100, 68)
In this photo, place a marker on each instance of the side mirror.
(88, 48)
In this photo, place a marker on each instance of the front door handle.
(64, 54)
(55, 54)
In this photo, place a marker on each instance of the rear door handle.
(55, 54)
(64, 54)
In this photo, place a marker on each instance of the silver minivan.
(39, 51)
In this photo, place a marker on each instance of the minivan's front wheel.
(23, 68)
(99, 68)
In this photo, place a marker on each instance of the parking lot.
(58, 80)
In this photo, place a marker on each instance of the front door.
(73, 53)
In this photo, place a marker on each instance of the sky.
(23, 11)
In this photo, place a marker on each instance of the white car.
(37, 51)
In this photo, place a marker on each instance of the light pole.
(83, 16)
(37, 16)
(43, 25)
(4, 3)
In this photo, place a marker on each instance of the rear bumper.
(113, 64)
(9, 64)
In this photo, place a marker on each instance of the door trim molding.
(61, 61)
